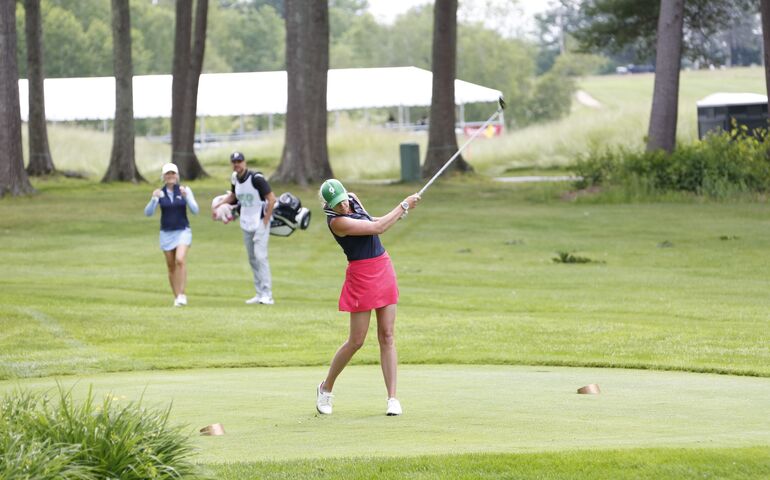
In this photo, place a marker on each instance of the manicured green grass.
(84, 286)
(675, 464)
(83, 290)
(269, 413)
(459, 422)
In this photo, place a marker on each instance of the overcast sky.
(387, 10)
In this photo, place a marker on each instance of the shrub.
(718, 166)
(42, 439)
(551, 98)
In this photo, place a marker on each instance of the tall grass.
(88, 151)
(45, 439)
(622, 119)
(355, 152)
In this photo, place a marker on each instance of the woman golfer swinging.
(370, 284)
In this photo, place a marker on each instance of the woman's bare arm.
(346, 226)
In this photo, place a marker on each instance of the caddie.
(256, 200)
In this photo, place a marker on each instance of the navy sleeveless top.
(173, 215)
(356, 247)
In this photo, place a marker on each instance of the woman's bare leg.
(180, 273)
(171, 265)
(386, 326)
(359, 325)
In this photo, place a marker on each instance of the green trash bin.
(410, 162)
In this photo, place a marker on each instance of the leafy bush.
(579, 64)
(43, 439)
(718, 166)
(551, 98)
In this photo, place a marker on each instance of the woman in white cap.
(370, 284)
(175, 233)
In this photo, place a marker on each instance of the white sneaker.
(394, 407)
(181, 299)
(323, 401)
(266, 300)
(176, 303)
(253, 300)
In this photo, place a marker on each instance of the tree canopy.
(613, 25)
(250, 36)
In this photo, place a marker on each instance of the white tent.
(722, 99)
(256, 93)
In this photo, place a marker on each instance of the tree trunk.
(305, 157)
(122, 160)
(665, 98)
(442, 141)
(13, 178)
(182, 33)
(765, 9)
(188, 63)
(40, 161)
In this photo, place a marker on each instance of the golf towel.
(369, 284)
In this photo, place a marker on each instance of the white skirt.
(170, 239)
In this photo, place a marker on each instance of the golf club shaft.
(458, 152)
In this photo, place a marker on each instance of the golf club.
(500, 108)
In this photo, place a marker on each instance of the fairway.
(269, 414)
(84, 287)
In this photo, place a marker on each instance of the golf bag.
(288, 215)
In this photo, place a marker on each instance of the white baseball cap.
(169, 167)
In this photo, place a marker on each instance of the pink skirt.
(369, 284)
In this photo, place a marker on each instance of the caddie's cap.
(169, 167)
(333, 192)
(237, 157)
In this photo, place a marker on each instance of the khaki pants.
(256, 248)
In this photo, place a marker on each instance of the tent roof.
(252, 93)
(723, 99)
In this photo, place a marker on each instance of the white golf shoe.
(394, 407)
(266, 300)
(253, 300)
(181, 299)
(323, 401)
